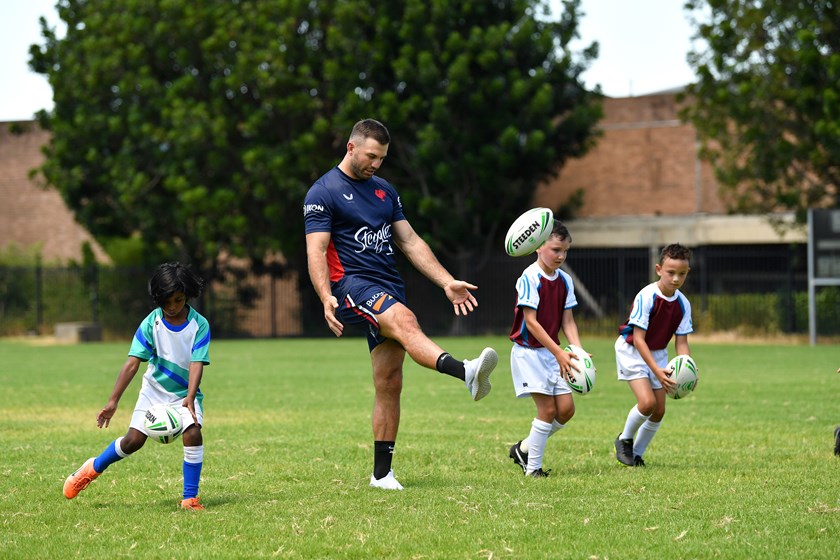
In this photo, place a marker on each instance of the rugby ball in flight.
(529, 231)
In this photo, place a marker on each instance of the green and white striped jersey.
(170, 349)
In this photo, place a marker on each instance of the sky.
(643, 45)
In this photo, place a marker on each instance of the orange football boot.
(80, 479)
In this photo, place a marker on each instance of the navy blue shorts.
(359, 303)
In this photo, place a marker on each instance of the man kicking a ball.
(353, 222)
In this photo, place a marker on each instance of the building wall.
(31, 216)
(644, 164)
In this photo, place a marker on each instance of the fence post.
(39, 304)
(273, 301)
(94, 292)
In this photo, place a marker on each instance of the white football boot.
(387, 482)
(477, 373)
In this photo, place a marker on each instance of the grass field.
(743, 468)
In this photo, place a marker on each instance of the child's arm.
(536, 329)
(196, 371)
(644, 351)
(129, 369)
(681, 345)
(570, 330)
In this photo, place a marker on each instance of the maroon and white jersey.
(662, 317)
(550, 295)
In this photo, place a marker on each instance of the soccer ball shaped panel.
(529, 231)
(163, 423)
(583, 380)
(684, 372)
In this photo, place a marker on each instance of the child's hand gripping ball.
(684, 373)
(163, 423)
(583, 380)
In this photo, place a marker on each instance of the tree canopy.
(200, 126)
(767, 101)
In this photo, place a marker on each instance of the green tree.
(482, 100)
(201, 125)
(767, 101)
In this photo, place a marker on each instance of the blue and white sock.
(193, 461)
(111, 455)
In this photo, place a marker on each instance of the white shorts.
(535, 370)
(630, 364)
(152, 393)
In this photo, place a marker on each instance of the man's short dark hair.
(371, 128)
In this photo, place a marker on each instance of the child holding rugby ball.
(660, 311)
(539, 366)
(174, 339)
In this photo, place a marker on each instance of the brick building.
(31, 217)
(644, 185)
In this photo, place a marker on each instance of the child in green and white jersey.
(174, 339)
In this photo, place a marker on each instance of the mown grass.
(741, 469)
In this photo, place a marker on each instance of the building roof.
(33, 217)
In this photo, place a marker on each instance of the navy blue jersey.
(358, 215)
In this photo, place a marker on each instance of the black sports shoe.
(539, 473)
(837, 440)
(519, 457)
(624, 451)
(638, 461)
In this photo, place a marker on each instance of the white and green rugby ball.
(163, 423)
(529, 231)
(583, 380)
(684, 372)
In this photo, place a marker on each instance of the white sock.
(634, 420)
(194, 454)
(646, 433)
(555, 427)
(118, 448)
(536, 444)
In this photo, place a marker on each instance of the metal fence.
(748, 290)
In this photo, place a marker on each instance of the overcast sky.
(643, 44)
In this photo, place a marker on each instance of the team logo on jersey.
(377, 241)
(347, 196)
(380, 193)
